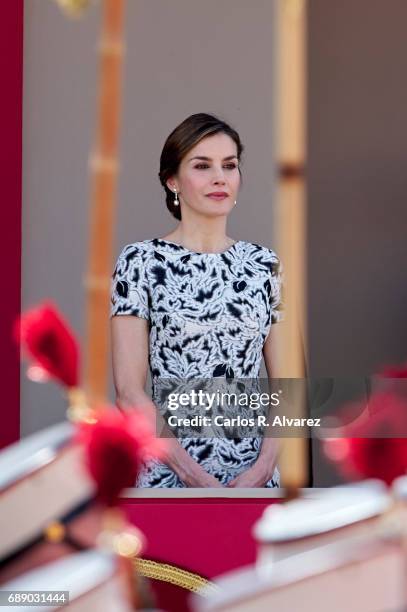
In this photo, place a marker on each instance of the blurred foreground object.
(60, 487)
(341, 512)
(74, 8)
(374, 445)
(50, 511)
(41, 480)
(116, 445)
(93, 580)
(47, 340)
(49, 344)
(104, 167)
(289, 341)
(394, 371)
(344, 550)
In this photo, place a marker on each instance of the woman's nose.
(219, 176)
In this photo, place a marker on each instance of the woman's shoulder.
(139, 249)
(253, 249)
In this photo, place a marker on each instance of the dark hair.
(181, 140)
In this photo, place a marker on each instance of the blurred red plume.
(49, 342)
(115, 447)
(375, 446)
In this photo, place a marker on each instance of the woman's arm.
(130, 365)
(270, 446)
(263, 469)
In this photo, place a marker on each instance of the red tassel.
(48, 340)
(115, 447)
(394, 372)
(373, 456)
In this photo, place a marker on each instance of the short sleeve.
(276, 290)
(129, 288)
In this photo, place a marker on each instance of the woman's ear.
(171, 184)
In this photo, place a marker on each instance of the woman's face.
(207, 171)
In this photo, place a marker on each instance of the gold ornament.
(54, 532)
(174, 575)
(128, 543)
(78, 408)
(118, 536)
(74, 8)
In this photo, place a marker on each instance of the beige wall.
(182, 57)
(357, 185)
(357, 189)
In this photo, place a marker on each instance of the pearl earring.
(176, 201)
(235, 202)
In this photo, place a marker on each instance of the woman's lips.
(217, 197)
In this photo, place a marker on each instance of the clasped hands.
(256, 476)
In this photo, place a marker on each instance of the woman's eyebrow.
(204, 158)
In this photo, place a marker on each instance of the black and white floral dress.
(209, 315)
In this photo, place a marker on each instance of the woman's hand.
(262, 470)
(255, 476)
(200, 478)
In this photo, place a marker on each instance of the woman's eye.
(203, 166)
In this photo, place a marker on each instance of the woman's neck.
(201, 240)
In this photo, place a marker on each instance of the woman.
(197, 304)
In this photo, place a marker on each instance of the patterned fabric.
(209, 315)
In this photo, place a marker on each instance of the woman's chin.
(216, 209)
